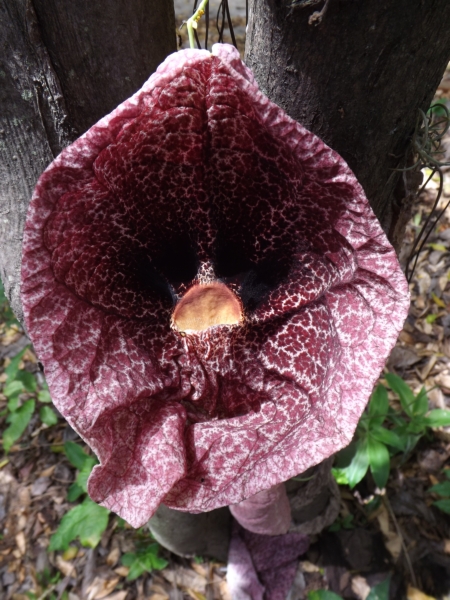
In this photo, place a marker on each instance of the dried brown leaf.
(118, 596)
(415, 594)
(67, 568)
(100, 588)
(185, 578)
(21, 543)
(122, 571)
(360, 587)
(113, 557)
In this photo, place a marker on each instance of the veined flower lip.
(198, 426)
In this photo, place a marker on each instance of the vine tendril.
(223, 19)
(429, 131)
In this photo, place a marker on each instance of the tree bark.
(355, 72)
(64, 65)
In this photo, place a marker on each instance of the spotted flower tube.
(209, 291)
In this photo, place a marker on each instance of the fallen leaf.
(121, 596)
(158, 591)
(308, 567)
(393, 541)
(21, 542)
(113, 557)
(70, 553)
(67, 568)
(200, 569)
(185, 578)
(47, 472)
(438, 301)
(360, 587)
(122, 571)
(28, 356)
(224, 591)
(402, 357)
(415, 594)
(100, 588)
(11, 335)
(195, 595)
(447, 546)
(443, 380)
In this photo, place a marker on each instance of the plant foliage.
(384, 432)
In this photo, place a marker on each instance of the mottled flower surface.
(198, 179)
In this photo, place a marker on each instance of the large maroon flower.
(200, 193)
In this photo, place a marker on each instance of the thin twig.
(425, 144)
(416, 255)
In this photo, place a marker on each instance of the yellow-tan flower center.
(205, 305)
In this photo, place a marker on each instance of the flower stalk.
(192, 22)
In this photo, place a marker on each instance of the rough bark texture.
(355, 75)
(63, 65)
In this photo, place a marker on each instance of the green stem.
(191, 23)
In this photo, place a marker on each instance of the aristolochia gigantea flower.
(208, 290)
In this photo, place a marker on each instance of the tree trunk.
(355, 72)
(64, 65)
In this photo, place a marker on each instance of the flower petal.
(198, 178)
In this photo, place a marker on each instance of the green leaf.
(85, 471)
(431, 318)
(12, 391)
(447, 473)
(379, 462)
(142, 561)
(410, 443)
(87, 521)
(396, 419)
(403, 391)
(345, 456)
(28, 380)
(340, 476)
(359, 465)
(378, 405)
(13, 367)
(438, 301)
(443, 489)
(444, 505)
(380, 591)
(18, 422)
(48, 416)
(84, 463)
(6, 314)
(74, 492)
(439, 417)
(439, 247)
(418, 425)
(323, 595)
(388, 437)
(75, 454)
(44, 396)
(421, 403)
